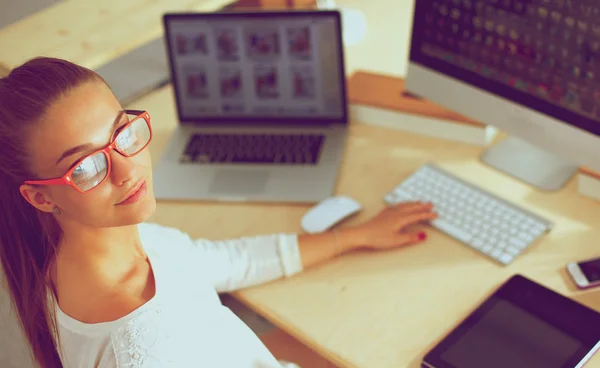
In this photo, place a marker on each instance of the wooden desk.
(90, 33)
(387, 309)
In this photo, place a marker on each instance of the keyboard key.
(391, 199)
(512, 250)
(448, 228)
(487, 249)
(535, 232)
(526, 237)
(505, 258)
(403, 196)
(519, 243)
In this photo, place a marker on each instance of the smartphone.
(586, 274)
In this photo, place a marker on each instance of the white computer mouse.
(329, 212)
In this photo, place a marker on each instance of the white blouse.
(185, 324)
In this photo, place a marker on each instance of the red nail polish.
(422, 236)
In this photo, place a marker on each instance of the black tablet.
(522, 325)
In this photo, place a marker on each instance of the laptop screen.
(233, 66)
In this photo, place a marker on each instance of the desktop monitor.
(531, 68)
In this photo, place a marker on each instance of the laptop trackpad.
(239, 182)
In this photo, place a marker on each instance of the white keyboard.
(479, 219)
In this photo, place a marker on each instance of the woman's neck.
(98, 266)
(104, 255)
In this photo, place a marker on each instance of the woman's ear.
(36, 198)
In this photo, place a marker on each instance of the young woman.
(95, 286)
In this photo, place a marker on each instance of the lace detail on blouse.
(144, 341)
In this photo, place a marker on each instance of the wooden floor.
(285, 347)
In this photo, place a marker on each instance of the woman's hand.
(390, 228)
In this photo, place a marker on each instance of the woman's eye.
(120, 128)
(124, 137)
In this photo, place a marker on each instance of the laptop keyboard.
(293, 149)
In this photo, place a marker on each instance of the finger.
(410, 207)
(411, 238)
(415, 211)
(415, 218)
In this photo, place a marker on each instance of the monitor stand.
(530, 164)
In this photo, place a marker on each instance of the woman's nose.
(123, 168)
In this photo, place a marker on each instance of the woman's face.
(76, 125)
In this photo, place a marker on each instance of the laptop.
(262, 107)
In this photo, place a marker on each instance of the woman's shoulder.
(154, 231)
(157, 237)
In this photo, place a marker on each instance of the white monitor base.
(530, 164)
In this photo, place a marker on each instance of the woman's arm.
(245, 262)
(234, 264)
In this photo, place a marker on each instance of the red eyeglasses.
(92, 170)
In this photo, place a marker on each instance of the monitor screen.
(509, 336)
(255, 66)
(541, 54)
